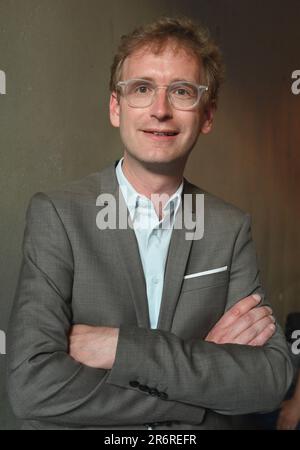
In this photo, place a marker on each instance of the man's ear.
(209, 112)
(114, 110)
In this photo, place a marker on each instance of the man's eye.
(142, 89)
(182, 92)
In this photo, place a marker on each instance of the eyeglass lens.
(141, 93)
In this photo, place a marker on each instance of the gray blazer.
(170, 377)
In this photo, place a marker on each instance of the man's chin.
(163, 164)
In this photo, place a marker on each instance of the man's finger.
(240, 308)
(251, 321)
(264, 336)
(255, 332)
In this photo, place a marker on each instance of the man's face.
(137, 124)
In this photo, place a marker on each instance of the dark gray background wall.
(54, 124)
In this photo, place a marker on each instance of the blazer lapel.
(125, 245)
(177, 259)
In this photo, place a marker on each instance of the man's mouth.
(164, 133)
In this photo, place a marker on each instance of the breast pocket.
(205, 281)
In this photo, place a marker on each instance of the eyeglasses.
(140, 93)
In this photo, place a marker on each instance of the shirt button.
(155, 280)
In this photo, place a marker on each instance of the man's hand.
(289, 416)
(94, 346)
(244, 324)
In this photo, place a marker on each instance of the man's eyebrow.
(174, 80)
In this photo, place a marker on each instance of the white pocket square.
(207, 272)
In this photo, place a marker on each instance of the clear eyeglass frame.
(124, 85)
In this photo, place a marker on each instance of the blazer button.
(163, 396)
(134, 384)
(154, 392)
(144, 388)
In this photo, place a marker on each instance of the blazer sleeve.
(227, 378)
(44, 382)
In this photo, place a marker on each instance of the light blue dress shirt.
(153, 237)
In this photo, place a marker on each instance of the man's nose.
(161, 108)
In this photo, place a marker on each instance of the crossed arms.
(242, 324)
(59, 374)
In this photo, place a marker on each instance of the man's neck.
(147, 182)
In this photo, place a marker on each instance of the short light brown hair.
(182, 32)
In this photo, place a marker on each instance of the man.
(141, 326)
(289, 416)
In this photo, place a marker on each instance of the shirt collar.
(133, 199)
